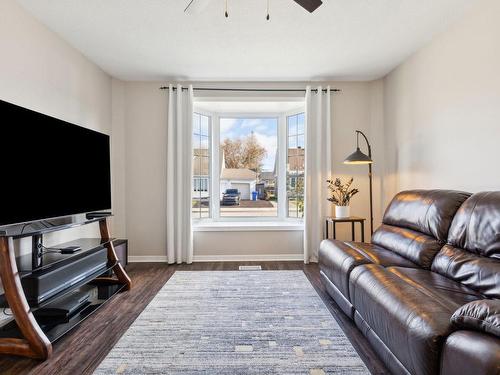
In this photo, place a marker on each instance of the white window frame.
(282, 142)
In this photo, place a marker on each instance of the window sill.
(247, 226)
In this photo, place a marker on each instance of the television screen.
(50, 168)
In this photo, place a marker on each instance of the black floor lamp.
(359, 158)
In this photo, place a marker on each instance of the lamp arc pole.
(359, 158)
(370, 175)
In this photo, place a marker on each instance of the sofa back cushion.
(412, 245)
(472, 255)
(416, 222)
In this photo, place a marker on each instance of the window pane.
(248, 181)
(204, 126)
(300, 141)
(204, 167)
(293, 161)
(201, 167)
(292, 125)
(292, 208)
(296, 165)
(196, 123)
(300, 123)
(196, 144)
(204, 144)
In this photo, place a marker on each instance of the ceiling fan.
(309, 5)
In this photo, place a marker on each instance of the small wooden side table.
(352, 220)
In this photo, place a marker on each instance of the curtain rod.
(251, 90)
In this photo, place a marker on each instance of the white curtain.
(179, 167)
(318, 168)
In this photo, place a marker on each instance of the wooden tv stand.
(25, 336)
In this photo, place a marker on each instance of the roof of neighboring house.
(296, 160)
(267, 176)
(237, 174)
(201, 162)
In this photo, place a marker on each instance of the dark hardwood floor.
(81, 351)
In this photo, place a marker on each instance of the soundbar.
(45, 283)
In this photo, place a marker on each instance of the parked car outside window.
(231, 197)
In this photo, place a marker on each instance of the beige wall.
(118, 158)
(40, 71)
(358, 106)
(263, 245)
(442, 109)
(145, 160)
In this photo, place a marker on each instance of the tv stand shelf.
(62, 293)
(52, 259)
(47, 226)
(25, 336)
(55, 330)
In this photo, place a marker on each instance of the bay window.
(248, 166)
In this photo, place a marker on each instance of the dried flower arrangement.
(341, 193)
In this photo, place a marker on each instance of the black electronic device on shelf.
(97, 215)
(62, 309)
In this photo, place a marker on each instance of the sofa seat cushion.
(337, 259)
(412, 321)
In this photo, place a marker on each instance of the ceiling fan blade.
(187, 6)
(196, 6)
(309, 5)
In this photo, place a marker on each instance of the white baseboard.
(147, 258)
(247, 258)
(220, 258)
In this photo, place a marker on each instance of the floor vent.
(250, 268)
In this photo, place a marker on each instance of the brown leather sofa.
(426, 291)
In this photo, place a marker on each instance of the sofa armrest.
(481, 315)
(470, 352)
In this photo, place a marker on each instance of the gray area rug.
(234, 322)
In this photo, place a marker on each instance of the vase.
(342, 211)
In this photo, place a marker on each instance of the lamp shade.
(358, 157)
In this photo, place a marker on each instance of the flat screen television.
(50, 168)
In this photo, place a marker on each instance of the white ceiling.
(156, 40)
